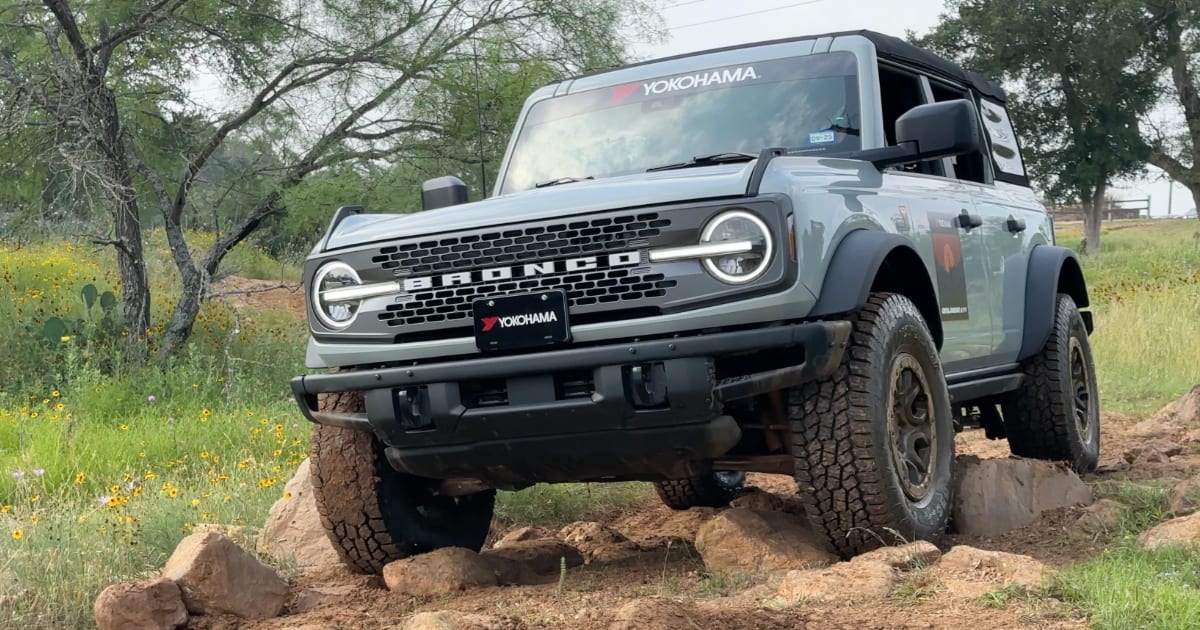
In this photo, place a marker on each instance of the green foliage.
(1127, 587)
(555, 505)
(1080, 80)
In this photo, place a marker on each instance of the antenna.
(479, 122)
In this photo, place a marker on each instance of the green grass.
(559, 504)
(1145, 291)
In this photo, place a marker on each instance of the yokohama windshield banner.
(669, 88)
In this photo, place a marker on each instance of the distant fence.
(1117, 209)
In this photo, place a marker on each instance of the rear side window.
(1006, 153)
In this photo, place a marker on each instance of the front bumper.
(643, 409)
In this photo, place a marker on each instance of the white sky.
(701, 24)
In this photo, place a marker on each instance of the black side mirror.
(940, 130)
(440, 192)
(929, 132)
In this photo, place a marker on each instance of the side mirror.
(929, 132)
(440, 192)
(940, 130)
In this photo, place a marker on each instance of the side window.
(900, 91)
(972, 167)
(1006, 152)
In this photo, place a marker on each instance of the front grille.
(535, 242)
(618, 287)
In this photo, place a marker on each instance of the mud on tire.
(1055, 415)
(716, 489)
(375, 514)
(861, 435)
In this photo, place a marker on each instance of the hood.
(563, 200)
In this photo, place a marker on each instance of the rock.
(904, 557)
(996, 495)
(293, 531)
(310, 598)
(655, 614)
(1102, 516)
(440, 572)
(994, 566)
(1153, 453)
(1183, 531)
(1185, 496)
(1155, 429)
(447, 620)
(218, 577)
(243, 535)
(539, 557)
(1192, 436)
(597, 542)
(521, 534)
(147, 605)
(758, 501)
(1183, 411)
(744, 541)
(855, 581)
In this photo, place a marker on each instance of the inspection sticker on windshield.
(822, 137)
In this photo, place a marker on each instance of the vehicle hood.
(563, 200)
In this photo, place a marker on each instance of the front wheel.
(1055, 415)
(874, 442)
(375, 514)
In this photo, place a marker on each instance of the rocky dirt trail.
(752, 566)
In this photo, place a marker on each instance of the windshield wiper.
(707, 160)
(562, 180)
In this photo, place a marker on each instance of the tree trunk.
(1195, 190)
(1093, 210)
(131, 264)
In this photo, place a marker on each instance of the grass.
(1145, 291)
(106, 462)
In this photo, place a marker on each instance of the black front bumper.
(646, 409)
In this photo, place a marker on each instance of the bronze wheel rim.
(912, 425)
(1081, 389)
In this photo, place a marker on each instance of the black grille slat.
(602, 288)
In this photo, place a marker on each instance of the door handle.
(967, 220)
(1014, 225)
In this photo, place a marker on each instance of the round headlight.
(738, 226)
(334, 313)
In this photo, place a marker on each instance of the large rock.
(520, 535)
(904, 557)
(147, 605)
(1183, 531)
(218, 577)
(1185, 496)
(1159, 452)
(597, 542)
(857, 581)
(1184, 411)
(441, 572)
(539, 557)
(293, 531)
(744, 541)
(1009, 569)
(997, 495)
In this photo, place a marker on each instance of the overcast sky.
(701, 24)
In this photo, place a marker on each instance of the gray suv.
(817, 257)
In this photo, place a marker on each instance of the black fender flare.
(855, 267)
(1051, 270)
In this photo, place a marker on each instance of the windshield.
(807, 104)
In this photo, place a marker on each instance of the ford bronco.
(818, 257)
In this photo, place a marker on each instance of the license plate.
(521, 321)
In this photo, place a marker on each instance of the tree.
(1172, 39)
(335, 82)
(1080, 80)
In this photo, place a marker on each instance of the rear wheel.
(1055, 415)
(874, 442)
(716, 489)
(375, 514)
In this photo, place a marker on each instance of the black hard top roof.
(886, 47)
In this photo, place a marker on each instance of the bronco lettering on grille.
(530, 270)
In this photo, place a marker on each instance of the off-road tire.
(374, 514)
(1055, 415)
(711, 490)
(842, 436)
